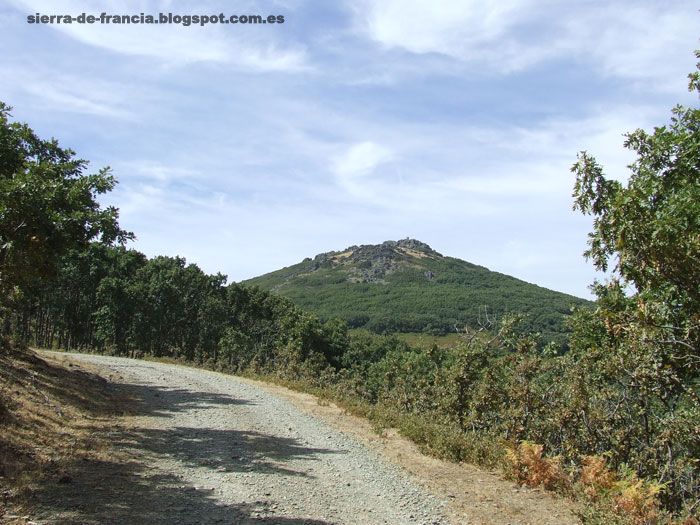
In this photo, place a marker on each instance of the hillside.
(56, 421)
(406, 286)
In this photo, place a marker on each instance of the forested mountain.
(406, 286)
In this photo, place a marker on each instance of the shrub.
(637, 499)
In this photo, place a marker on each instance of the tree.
(48, 206)
(639, 351)
(651, 227)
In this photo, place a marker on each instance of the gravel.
(212, 448)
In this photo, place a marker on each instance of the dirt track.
(204, 447)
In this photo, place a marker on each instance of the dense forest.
(406, 286)
(614, 420)
(111, 299)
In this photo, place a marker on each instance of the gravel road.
(212, 448)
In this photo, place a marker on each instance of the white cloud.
(644, 42)
(641, 41)
(452, 28)
(158, 171)
(355, 167)
(457, 170)
(64, 99)
(467, 30)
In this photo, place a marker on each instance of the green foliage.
(48, 206)
(651, 226)
(637, 356)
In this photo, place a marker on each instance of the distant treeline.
(112, 299)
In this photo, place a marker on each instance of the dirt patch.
(415, 253)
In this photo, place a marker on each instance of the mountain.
(406, 286)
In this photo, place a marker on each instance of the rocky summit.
(371, 263)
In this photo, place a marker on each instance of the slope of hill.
(406, 286)
(56, 420)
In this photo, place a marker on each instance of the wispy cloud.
(158, 171)
(356, 168)
(629, 40)
(53, 90)
(455, 28)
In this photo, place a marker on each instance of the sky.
(246, 148)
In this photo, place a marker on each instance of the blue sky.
(248, 148)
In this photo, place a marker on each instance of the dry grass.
(596, 478)
(530, 467)
(414, 253)
(622, 496)
(53, 415)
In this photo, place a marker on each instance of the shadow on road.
(155, 400)
(226, 450)
(115, 491)
(106, 492)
